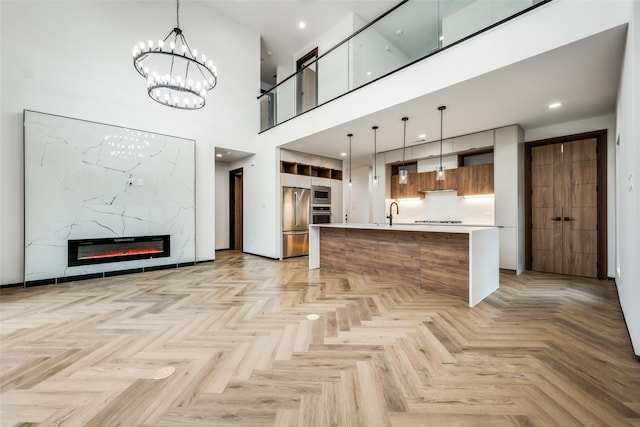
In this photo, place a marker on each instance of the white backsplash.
(92, 180)
(446, 206)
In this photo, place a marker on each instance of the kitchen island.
(461, 261)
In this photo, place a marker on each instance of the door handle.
(566, 218)
(296, 214)
(558, 218)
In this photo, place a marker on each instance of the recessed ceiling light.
(368, 73)
(441, 38)
(218, 155)
(555, 105)
(399, 32)
(422, 135)
(343, 154)
(302, 25)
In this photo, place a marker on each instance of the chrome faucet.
(390, 216)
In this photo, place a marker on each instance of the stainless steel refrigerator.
(295, 221)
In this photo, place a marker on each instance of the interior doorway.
(307, 81)
(235, 209)
(565, 205)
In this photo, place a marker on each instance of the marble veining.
(91, 180)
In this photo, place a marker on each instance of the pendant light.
(349, 135)
(176, 75)
(440, 170)
(375, 155)
(402, 179)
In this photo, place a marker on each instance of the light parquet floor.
(543, 350)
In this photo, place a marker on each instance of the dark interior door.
(564, 227)
(235, 209)
(307, 82)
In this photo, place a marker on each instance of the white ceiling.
(584, 76)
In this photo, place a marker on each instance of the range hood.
(439, 191)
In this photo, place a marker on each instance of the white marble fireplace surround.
(92, 180)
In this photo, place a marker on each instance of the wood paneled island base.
(431, 258)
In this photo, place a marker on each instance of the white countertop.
(432, 228)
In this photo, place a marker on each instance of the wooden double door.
(564, 208)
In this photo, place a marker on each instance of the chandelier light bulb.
(160, 44)
(141, 44)
(195, 53)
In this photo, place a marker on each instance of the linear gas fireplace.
(114, 249)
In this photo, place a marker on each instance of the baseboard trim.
(67, 279)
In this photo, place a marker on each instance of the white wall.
(445, 206)
(334, 35)
(627, 172)
(587, 125)
(74, 59)
(333, 76)
(222, 205)
(357, 195)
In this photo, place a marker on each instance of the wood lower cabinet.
(412, 189)
(475, 180)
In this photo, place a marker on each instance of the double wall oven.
(320, 204)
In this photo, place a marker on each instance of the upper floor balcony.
(408, 33)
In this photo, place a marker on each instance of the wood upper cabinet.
(428, 181)
(412, 189)
(477, 179)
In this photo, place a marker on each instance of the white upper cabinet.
(291, 180)
(325, 182)
(473, 141)
(295, 156)
(395, 156)
(432, 149)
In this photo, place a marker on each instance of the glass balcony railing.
(410, 32)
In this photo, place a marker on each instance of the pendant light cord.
(177, 13)
(441, 108)
(375, 150)
(350, 135)
(404, 138)
(441, 115)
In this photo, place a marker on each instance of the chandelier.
(176, 76)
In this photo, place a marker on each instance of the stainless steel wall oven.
(321, 214)
(320, 195)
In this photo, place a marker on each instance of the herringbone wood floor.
(543, 350)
